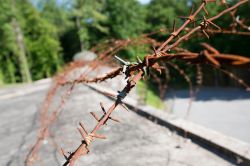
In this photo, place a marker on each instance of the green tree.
(162, 13)
(29, 44)
(125, 18)
(14, 45)
(88, 16)
(42, 42)
(55, 13)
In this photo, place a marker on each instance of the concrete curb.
(231, 149)
(26, 89)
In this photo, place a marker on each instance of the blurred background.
(38, 38)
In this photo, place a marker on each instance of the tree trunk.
(1, 78)
(11, 70)
(24, 67)
(79, 28)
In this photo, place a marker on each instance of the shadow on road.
(212, 94)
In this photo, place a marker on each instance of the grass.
(2, 86)
(150, 96)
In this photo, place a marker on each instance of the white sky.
(144, 1)
(60, 1)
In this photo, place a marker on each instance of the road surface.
(135, 142)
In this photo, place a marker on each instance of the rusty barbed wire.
(84, 79)
(105, 54)
(46, 119)
(203, 26)
(236, 20)
(136, 71)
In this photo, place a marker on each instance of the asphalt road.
(226, 110)
(136, 141)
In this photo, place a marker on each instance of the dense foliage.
(38, 36)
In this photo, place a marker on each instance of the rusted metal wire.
(203, 26)
(88, 137)
(236, 20)
(47, 118)
(228, 32)
(84, 79)
(135, 72)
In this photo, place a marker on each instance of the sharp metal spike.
(211, 59)
(216, 26)
(192, 10)
(155, 52)
(121, 60)
(205, 10)
(64, 155)
(83, 134)
(116, 120)
(138, 59)
(103, 109)
(124, 106)
(205, 33)
(147, 63)
(174, 26)
(239, 62)
(183, 17)
(98, 136)
(109, 94)
(204, 19)
(95, 116)
(210, 48)
(194, 24)
(84, 129)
